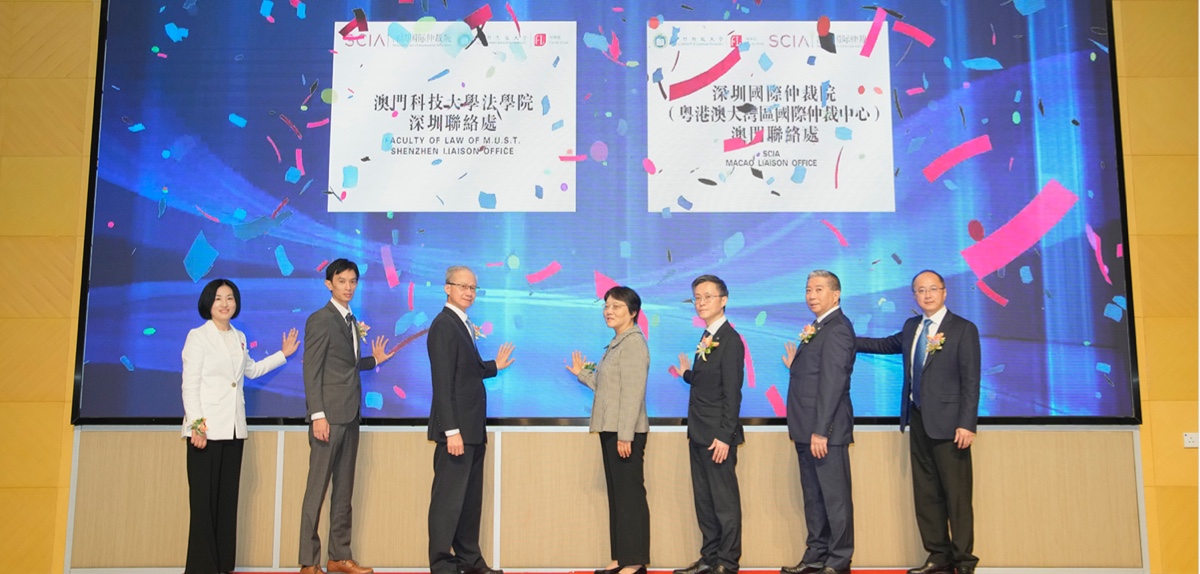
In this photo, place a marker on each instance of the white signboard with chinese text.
(435, 116)
(763, 117)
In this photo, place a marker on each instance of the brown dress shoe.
(348, 567)
(311, 570)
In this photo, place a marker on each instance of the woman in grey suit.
(216, 363)
(619, 415)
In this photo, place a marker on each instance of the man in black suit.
(458, 424)
(940, 398)
(333, 396)
(715, 430)
(821, 423)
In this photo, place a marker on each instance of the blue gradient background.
(1040, 352)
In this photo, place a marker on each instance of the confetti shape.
(128, 364)
(957, 155)
(389, 266)
(545, 273)
(487, 200)
(1022, 232)
(285, 266)
(913, 32)
(873, 35)
(1094, 241)
(373, 400)
(200, 258)
(776, 401)
(841, 239)
(237, 120)
(399, 391)
(734, 144)
(705, 78)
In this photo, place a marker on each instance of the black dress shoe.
(720, 569)
(966, 570)
(697, 567)
(932, 568)
(483, 570)
(832, 570)
(801, 568)
(640, 570)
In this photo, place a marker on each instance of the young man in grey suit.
(940, 398)
(458, 426)
(715, 429)
(821, 423)
(333, 395)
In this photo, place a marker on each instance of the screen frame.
(86, 262)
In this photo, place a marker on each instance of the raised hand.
(789, 354)
(290, 342)
(577, 363)
(684, 363)
(504, 356)
(379, 350)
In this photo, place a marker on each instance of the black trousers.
(942, 490)
(455, 508)
(828, 506)
(214, 473)
(718, 506)
(628, 511)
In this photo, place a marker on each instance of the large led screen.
(559, 148)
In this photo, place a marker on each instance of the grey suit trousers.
(334, 459)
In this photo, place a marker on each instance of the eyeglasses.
(615, 306)
(471, 288)
(705, 298)
(928, 290)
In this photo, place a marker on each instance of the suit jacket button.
(233, 384)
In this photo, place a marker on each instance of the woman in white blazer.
(215, 364)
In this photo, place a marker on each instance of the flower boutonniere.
(806, 335)
(705, 346)
(199, 425)
(363, 329)
(589, 367)
(478, 332)
(934, 343)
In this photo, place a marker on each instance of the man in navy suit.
(715, 429)
(458, 426)
(940, 399)
(821, 422)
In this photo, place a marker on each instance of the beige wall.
(1036, 499)
(47, 68)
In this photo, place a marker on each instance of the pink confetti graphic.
(318, 124)
(545, 273)
(963, 152)
(915, 91)
(674, 371)
(873, 35)
(572, 157)
(389, 267)
(841, 238)
(1022, 232)
(698, 323)
(1120, 250)
(278, 158)
(776, 401)
(291, 125)
(494, 264)
(649, 166)
(279, 208)
(486, 328)
(994, 296)
(359, 23)
(411, 287)
(479, 17)
(734, 144)
(399, 392)
(300, 160)
(253, 344)
(321, 267)
(513, 15)
(205, 214)
(1094, 241)
(914, 32)
(701, 81)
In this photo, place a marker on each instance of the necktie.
(474, 338)
(918, 362)
(352, 323)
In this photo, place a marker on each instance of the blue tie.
(918, 362)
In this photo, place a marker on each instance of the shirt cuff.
(450, 433)
(318, 416)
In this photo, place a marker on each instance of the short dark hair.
(627, 296)
(829, 276)
(339, 265)
(209, 296)
(721, 288)
(924, 271)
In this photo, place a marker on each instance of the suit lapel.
(946, 320)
